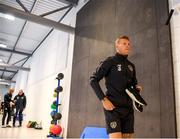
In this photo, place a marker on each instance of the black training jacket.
(119, 73)
(7, 100)
(20, 101)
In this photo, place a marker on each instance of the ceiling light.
(5, 83)
(3, 45)
(7, 16)
(10, 17)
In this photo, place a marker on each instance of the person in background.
(20, 105)
(8, 103)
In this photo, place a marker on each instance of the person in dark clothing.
(20, 105)
(119, 74)
(8, 103)
(2, 106)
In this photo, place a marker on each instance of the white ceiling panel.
(7, 75)
(20, 63)
(26, 45)
(8, 39)
(9, 69)
(27, 3)
(4, 56)
(11, 27)
(35, 31)
(32, 34)
(56, 16)
(47, 5)
(15, 58)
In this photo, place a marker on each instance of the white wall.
(39, 84)
(54, 56)
(3, 90)
(175, 32)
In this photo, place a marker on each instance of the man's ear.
(116, 42)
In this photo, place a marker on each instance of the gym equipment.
(38, 126)
(53, 106)
(55, 129)
(31, 124)
(57, 116)
(60, 76)
(50, 128)
(53, 114)
(54, 136)
(54, 102)
(58, 89)
(55, 94)
(94, 132)
(53, 121)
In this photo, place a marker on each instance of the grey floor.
(22, 132)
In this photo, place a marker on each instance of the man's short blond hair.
(121, 37)
(11, 90)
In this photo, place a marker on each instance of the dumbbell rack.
(57, 90)
(57, 98)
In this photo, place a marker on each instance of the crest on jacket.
(119, 67)
(130, 67)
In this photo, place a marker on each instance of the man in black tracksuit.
(20, 104)
(119, 73)
(8, 103)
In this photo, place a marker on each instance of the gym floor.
(22, 132)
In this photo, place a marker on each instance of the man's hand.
(11, 104)
(107, 104)
(139, 88)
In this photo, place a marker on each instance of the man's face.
(122, 46)
(20, 92)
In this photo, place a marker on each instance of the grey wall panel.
(79, 97)
(97, 27)
(134, 15)
(167, 96)
(98, 24)
(144, 45)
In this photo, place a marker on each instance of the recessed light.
(5, 83)
(7, 16)
(3, 45)
(10, 17)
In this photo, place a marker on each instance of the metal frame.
(22, 5)
(35, 18)
(4, 65)
(14, 51)
(169, 17)
(44, 39)
(69, 2)
(20, 61)
(6, 9)
(35, 1)
(7, 70)
(7, 81)
(54, 11)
